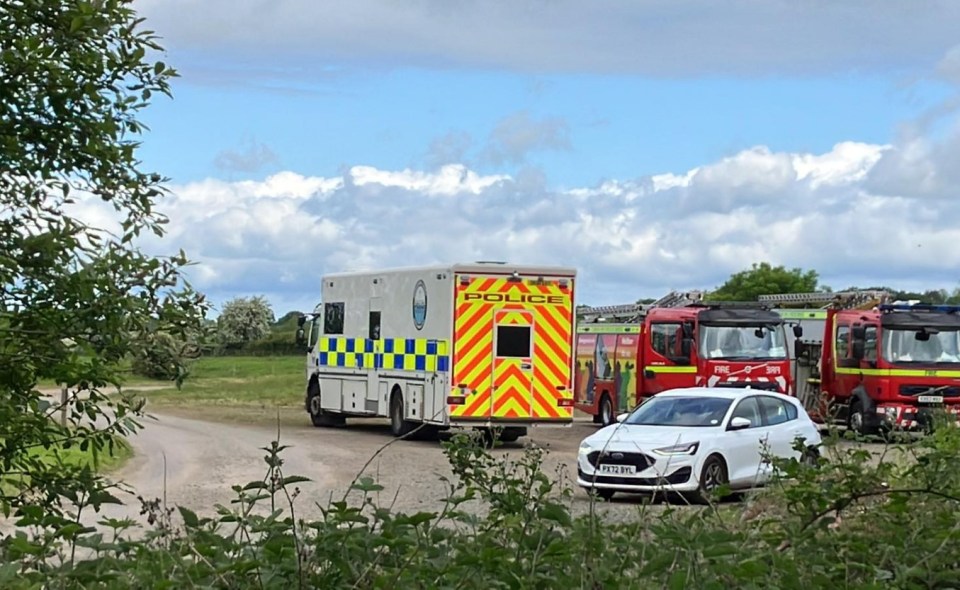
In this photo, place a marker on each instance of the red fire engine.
(629, 352)
(874, 365)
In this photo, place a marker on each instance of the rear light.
(565, 402)
(456, 400)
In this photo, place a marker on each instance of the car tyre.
(713, 476)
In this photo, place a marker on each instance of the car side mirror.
(622, 417)
(739, 423)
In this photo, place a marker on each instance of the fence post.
(63, 404)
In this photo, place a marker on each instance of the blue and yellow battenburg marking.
(399, 354)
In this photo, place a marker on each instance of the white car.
(694, 440)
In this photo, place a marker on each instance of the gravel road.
(194, 463)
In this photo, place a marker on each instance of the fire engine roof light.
(919, 307)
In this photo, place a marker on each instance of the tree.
(764, 279)
(244, 320)
(76, 300)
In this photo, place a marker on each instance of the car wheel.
(810, 457)
(713, 476)
(606, 411)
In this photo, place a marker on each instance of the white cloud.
(629, 238)
(654, 37)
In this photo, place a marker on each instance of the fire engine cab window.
(665, 339)
(843, 341)
(870, 343)
(333, 318)
(513, 341)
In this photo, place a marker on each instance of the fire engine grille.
(915, 390)
(638, 460)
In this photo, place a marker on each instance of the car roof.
(732, 393)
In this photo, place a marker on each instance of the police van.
(486, 345)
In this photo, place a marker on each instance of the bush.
(506, 524)
(163, 356)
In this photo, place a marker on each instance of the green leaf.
(292, 479)
(190, 518)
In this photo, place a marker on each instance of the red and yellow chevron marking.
(512, 388)
(481, 304)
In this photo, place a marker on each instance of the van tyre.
(606, 411)
(713, 476)
(398, 425)
(320, 417)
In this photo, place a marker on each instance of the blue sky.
(652, 144)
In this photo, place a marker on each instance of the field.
(234, 389)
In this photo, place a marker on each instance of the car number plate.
(930, 399)
(618, 469)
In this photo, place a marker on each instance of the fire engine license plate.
(618, 469)
(930, 399)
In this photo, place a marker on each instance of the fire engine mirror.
(798, 330)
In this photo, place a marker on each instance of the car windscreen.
(694, 410)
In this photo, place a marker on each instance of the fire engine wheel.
(606, 411)
(398, 426)
(856, 418)
(713, 476)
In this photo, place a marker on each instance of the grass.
(243, 382)
(105, 462)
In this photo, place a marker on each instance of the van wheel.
(398, 426)
(320, 417)
(606, 411)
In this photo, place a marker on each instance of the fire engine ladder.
(857, 299)
(632, 312)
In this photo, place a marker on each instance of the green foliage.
(847, 522)
(244, 320)
(764, 279)
(75, 301)
(165, 357)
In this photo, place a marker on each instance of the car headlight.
(585, 448)
(681, 449)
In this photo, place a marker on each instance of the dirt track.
(193, 463)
